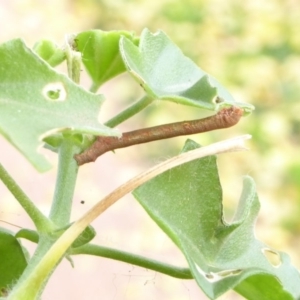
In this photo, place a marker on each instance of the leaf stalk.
(137, 260)
(129, 112)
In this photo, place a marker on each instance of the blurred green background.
(252, 47)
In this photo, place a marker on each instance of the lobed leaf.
(36, 101)
(186, 202)
(165, 73)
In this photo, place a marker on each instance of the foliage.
(40, 104)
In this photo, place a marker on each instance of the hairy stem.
(65, 183)
(137, 260)
(129, 112)
(40, 221)
(223, 119)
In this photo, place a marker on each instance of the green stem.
(40, 221)
(91, 249)
(129, 112)
(65, 183)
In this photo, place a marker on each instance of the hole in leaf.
(55, 92)
(273, 257)
(213, 277)
(232, 272)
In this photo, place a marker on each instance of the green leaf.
(12, 260)
(36, 101)
(165, 73)
(100, 54)
(186, 202)
(50, 52)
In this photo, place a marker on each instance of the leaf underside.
(165, 73)
(186, 202)
(36, 101)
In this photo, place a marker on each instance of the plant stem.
(65, 183)
(40, 221)
(129, 112)
(223, 119)
(91, 249)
